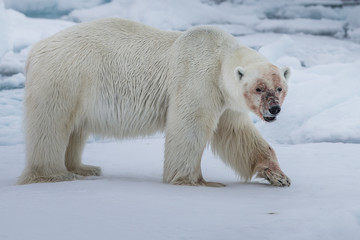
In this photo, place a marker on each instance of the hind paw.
(29, 178)
(86, 170)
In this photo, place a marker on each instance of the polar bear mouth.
(270, 118)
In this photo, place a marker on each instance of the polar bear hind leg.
(73, 156)
(48, 126)
(45, 156)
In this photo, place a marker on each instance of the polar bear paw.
(275, 177)
(28, 178)
(86, 170)
(199, 182)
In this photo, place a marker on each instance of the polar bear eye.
(279, 89)
(258, 90)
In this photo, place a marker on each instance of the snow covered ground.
(316, 136)
(130, 202)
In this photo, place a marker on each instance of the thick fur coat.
(118, 78)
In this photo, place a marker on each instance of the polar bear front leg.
(269, 169)
(183, 152)
(240, 145)
(187, 134)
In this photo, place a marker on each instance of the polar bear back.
(113, 76)
(109, 74)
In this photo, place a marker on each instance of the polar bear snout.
(275, 109)
(270, 114)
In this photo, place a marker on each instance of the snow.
(354, 24)
(338, 124)
(26, 31)
(167, 14)
(131, 202)
(353, 16)
(317, 103)
(4, 30)
(11, 117)
(308, 26)
(316, 136)
(285, 39)
(278, 11)
(49, 8)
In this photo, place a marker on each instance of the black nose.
(275, 109)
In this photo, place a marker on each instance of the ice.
(49, 8)
(11, 109)
(289, 10)
(304, 53)
(308, 26)
(317, 102)
(280, 49)
(353, 17)
(354, 35)
(26, 31)
(354, 24)
(177, 15)
(319, 43)
(339, 123)
(19, 33)
(295, 16)
(313, 94)
(5, 42)
(299, 47)
(14, 81)
(13, 62)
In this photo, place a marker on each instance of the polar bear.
(118, 78)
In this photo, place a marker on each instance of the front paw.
(199, 182)
(276, 178)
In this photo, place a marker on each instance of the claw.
(276, 178)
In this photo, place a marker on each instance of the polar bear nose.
(275, 109)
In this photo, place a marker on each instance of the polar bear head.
(260, 88)
(265, 89)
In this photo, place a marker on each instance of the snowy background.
(316, 136)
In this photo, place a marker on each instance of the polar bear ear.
(286, 71)
(239, 72)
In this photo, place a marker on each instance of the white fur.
(118, 78)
